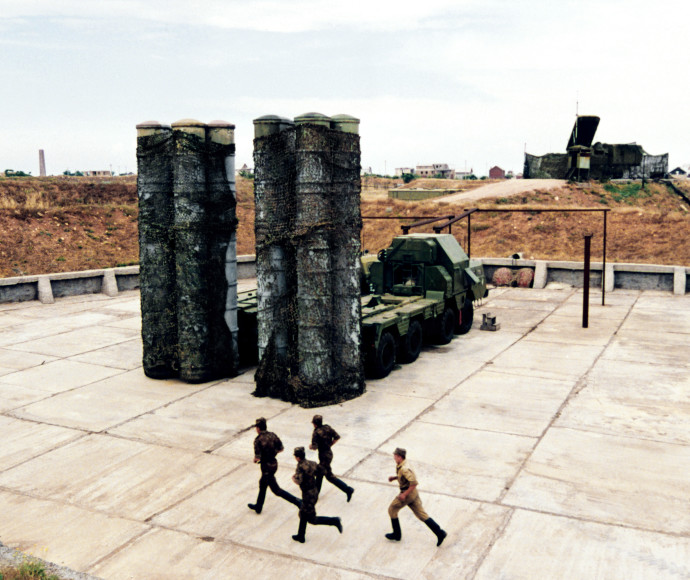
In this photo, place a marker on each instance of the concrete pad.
(14, 396)
(205, 420)
(633, 399)
(550, 360)
(28, 524)
(165, 554)
(116, 476)
(537, 545)
(666, 321)
(76, 341)
(14, 361)
(58, 376)
(511, 319)
(667, 349)
(569, 330)
(465, 462)
(504, 403)
(125, 355)
(22, 440)
(604, 478)
(107, 403)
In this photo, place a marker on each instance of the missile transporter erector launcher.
(420, 289)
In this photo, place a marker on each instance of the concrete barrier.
(47, 287)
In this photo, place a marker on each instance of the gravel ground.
(10, 556)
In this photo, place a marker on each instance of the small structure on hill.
(600, 161)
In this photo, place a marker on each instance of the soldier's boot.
(302, 530)
(342, 486)
(434, 527)
(396, 534)
(326, 521)
(286, 495)
(259, 505)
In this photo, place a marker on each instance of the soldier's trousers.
(413, 501)
(268, 481)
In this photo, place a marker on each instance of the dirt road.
(502, 189)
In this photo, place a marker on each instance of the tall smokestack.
(41, 163)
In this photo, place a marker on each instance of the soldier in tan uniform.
(266, 446)
(322, 439)
(305, 476)
(409, 497)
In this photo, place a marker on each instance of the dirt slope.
(67, 224)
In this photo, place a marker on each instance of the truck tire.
(411, 343)
(445, 326)
(384, 357)
(465, 318)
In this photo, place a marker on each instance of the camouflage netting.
(187, 228)
(308, 224)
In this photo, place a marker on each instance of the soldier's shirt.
(266, 446)
(406, 476)
(305, 474)
(324, 437)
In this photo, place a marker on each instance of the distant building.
(100, 173)
(678, 171)
(496, 173)
(464, 174)
(244, 170)
(400, 170)
(435, 170)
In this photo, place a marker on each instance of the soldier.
(305, 477)
(408, 497)
(323, 438)
(266, 446)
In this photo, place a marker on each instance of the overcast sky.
(471, 83)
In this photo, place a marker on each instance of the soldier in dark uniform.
(305, 477)
(409, 497)
(266, 446)
(323, 438)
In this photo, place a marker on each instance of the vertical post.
(41, 163)
(603, 271)
(156, 250)
(585, 294)
(469, 235)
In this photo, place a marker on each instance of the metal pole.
(603, 272)
(585, 296)
(469, 235)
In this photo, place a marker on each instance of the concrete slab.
(76, 341)
(502, 403)
(58, 375)
(116, 476)
(29, 524)
(545, 452)
(634, 399)
(605, 478)
(539, 545)
(107, 403)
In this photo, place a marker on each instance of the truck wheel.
(411, 344)
(445, 326)
(384, 357)
(465, 319)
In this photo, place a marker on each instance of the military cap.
(400, 452)
(299, 452)
(260, 423)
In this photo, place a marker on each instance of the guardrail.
(111, 281)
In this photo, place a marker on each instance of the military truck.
(420, 289)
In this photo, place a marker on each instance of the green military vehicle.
(420, 289)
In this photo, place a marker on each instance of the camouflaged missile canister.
(346, 251)
(221, 224)
(274, 195)
(156, 250)
(308, 258)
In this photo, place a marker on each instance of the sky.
(470, 83)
